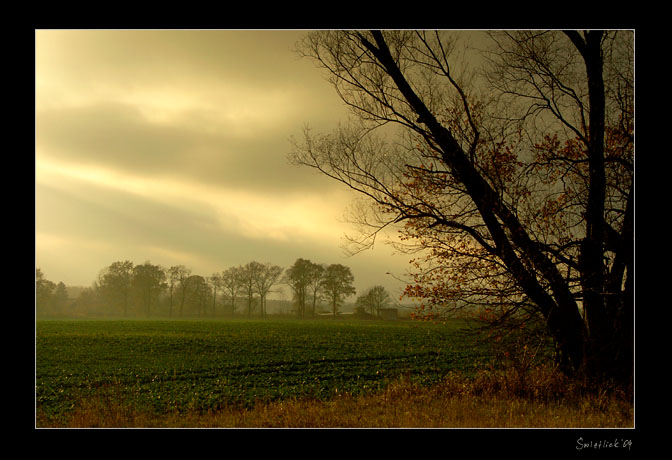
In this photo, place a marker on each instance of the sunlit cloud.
(249, 213)
(240, 111)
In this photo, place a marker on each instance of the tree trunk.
(608, 306)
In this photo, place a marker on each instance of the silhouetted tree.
(337, 285)
(198, 294)
(231, 282)
(61, 300)
(519, 192)
(114, 283)
(43, 293)
(215, 281)
(148, 281)
(176, 274)
(183, 275)
(298, 278)
(374, 300)
(316, 274)
(247, 277)
(265, 277)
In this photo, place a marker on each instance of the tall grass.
(494, 399)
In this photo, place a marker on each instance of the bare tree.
(375, 299)
(198, 294)
(148, 281)
(247, 276)
(316, 274)
(298, 278)
(115, 283)
(175, 274)
(517, 196)
(231, 282)
(44, 292)
(265, 277)
(337, 285)
(215, 281)
(305, 279)
(182, 274)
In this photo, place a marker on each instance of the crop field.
(192, 365)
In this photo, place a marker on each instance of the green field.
(169, 366)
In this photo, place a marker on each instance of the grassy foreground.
(167, 366)
(284, 374)
(485, 401)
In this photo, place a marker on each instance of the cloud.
(249, 211)
(202, 104)
(171, 146)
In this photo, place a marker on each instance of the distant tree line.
(124, 289)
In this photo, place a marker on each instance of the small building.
(389, 314)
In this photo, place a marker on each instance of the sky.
(170, 146)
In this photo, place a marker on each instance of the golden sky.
(171, 146)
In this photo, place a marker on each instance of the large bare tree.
(514, 186)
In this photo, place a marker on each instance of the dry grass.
(544, 399)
